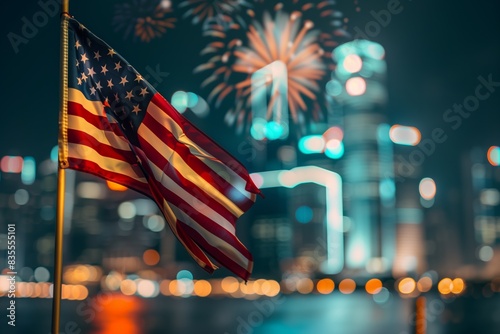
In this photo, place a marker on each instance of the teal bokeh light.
(180, 101)
(334, 149)
(54, 153)
(304, 214)
(28, 173)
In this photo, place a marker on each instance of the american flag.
(120, 128)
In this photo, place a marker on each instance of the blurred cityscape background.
(381, 211)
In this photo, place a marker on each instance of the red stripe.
(205, 142)
(189, 243)
(225, 187)
(83, 138)
(150, 154)
(123, 179)
(207, 223)
(184, 238)
(161, 192)
(220, 257)
(100, 122)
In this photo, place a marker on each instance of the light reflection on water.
(120, 314)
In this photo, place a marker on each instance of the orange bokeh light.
(445, 286)
(373, 286)
(325, 286)
(424, 284)
(115, 186)
(151, 257)
(347, 286)
(407, 285)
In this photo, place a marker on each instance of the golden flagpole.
(61, 175)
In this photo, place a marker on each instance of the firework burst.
(145, 19)
(238, 53)
(329, 20)
(292, 42)
(215, 13)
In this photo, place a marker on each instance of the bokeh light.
(445, 285)
(405, 135)
(424, 284)
(305, 285)
(115, 186)
(304, 214)
(202, 288)
(352, 63)
(230, 284)
(427, 188)
(311, 144)
(347, 286)
(407, 285)
(493, 155)
(151, 257)
(355, 86)
(325, 286)
(373, 286)
(334, 149)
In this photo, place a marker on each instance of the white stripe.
(197, 205)
(94, 107)
(78, 151)
(102, 136)
(212, 239)
(162, 118)
(172, 221)
(182, 167)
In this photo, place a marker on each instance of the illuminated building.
(315, 233)
(367, 165)
(481, 229)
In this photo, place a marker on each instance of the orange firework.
(238, 51)
(289, 40)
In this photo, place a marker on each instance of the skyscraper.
(367, 171)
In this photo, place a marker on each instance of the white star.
(84, 58)
(104, 69)
(92, 91)
(98, 85)
(79, 81)
(117, 98)
(77, 63)
(124, 80)
(91, 71)
(144, 91)
(77, 44)
(118, 66)
(129, 95)
(110, 83)
(84, 77)
(97, 55)
(138, 77)
(111, 52)
(136, 109)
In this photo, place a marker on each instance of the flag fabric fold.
(121, 129)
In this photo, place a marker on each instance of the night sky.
(436, 50)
